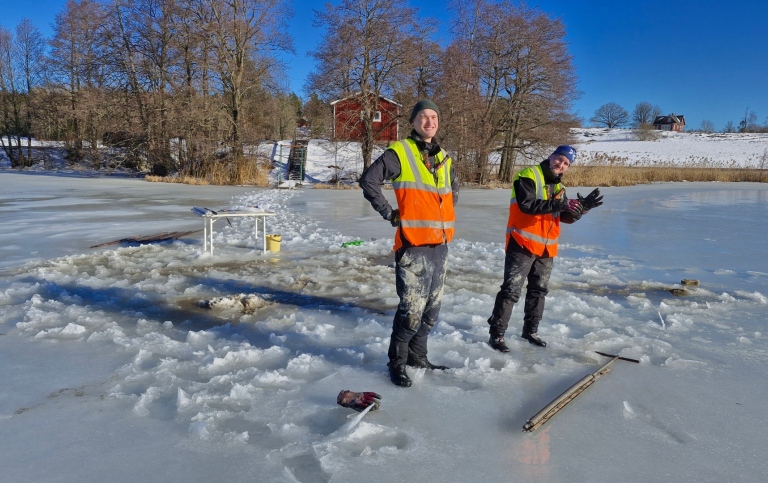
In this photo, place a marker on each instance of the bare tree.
(366, 49)
(749, 123)
(196, 118)
(729, 127)
(145, 52)
(514, 82)
(29, 49)
(610, 115)
(645, 113)
(246, 36)
(10, 102)
(421, 77)
(74, 66)
(707, 126)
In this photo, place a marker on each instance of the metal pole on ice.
(570, 394)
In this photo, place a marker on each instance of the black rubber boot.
(530, 333)
(534, 339)
(498, 344)
(418, 361)
(398, 376)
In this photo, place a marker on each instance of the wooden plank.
(160, 237)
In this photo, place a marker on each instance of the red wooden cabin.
(670, 122)
(348, 123)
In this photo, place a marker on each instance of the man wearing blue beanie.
(537, 207)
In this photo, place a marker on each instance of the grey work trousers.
(521, 265)
(420, 275)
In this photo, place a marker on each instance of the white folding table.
(210, 217)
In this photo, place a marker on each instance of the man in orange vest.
(426, 188)
(537, 207)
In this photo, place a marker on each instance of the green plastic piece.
(352, 243)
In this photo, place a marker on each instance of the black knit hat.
(421, 105)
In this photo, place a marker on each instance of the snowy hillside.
(716, 150)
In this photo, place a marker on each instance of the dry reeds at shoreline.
(605, 172)
(576, 176)
(223, 174)
(629, 176)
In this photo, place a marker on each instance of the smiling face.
(559, 164)
(425, 124)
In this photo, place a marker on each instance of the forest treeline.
(191, 86)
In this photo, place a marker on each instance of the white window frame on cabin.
(376, 116)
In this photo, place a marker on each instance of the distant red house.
(348, 125)
(670, 122)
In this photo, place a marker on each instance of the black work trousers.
(420, 275)
(520, 266)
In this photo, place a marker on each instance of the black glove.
(593, 200)
(394, 217)
(359, 400)
(573, 206)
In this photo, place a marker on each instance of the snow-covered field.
(595, 146)
(161, 363)
(694, 149)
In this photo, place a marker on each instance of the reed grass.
(335, 186)
(253, 172)
(628, 176)
(601, 169)
(176, 179)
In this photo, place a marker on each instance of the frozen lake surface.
(159, 362)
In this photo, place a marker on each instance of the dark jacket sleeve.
(455, 185)
(525, 193)
(566, 216)
(386, 167)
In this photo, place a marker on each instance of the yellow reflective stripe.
(427, 224)
(419, 182)
(406, 169)
(531, 236)
(536, 174)
(540, 191)
(424, 180)
(420, 186)
(405, 185)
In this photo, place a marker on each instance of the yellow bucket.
(273, 242)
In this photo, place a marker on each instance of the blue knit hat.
(566, 151)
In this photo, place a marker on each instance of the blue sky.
(705, 59)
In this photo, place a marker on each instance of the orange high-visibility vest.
(536, 233)
(425, 200)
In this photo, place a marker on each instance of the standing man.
(426, 188)
(537, 207)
